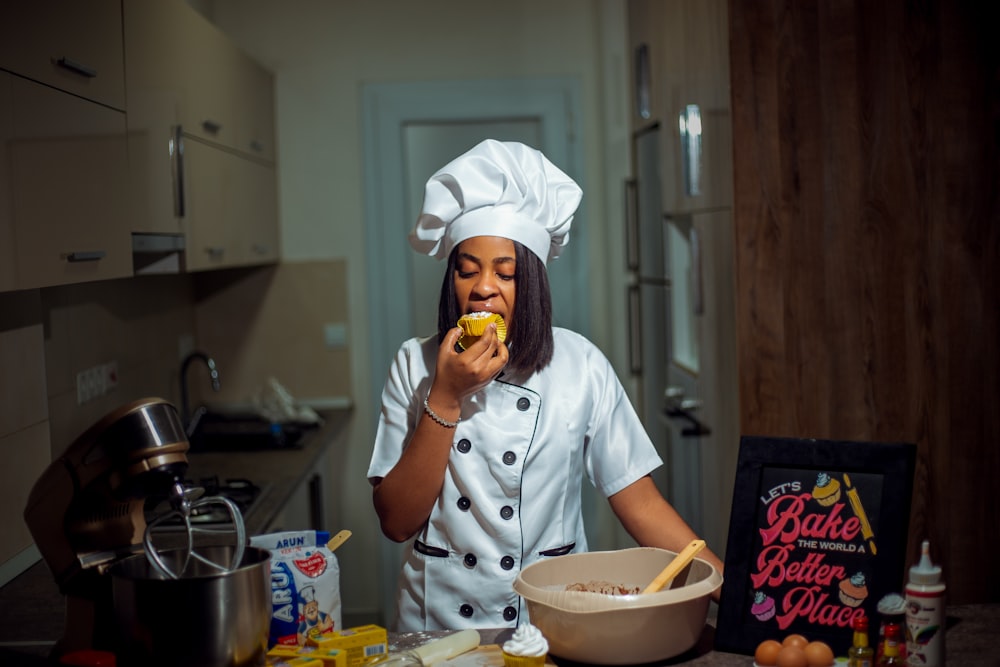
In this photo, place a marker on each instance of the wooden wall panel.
(868, 246)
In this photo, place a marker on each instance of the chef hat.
(497, 189)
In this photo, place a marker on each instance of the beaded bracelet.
(438, 418)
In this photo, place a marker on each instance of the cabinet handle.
(86, 256)
(632, 224)
(690, 129)
(215, 252)
(256, 146)
(79, 68)
(633, 305)
(177, 157)
(211, 126)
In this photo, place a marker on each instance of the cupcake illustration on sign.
(762, 607)
(827, 490)
(853, 591)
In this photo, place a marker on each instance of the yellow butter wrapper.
(361, 644)
(287, 661)
(333, 657)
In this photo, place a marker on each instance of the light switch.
(335, 335)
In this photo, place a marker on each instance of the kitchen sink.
(216, 431)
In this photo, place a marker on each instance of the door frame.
(386, 109)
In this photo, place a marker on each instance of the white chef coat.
(511, 492)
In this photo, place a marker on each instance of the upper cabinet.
(680, 72)
(63, 151)
(201, 137)
(70, 45)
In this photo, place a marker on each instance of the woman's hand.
(459, 374)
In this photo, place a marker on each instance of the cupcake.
(827, 490)
(474, 325)
(762, 607)
(853, 591)
(526, 648)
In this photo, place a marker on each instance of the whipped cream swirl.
(526, 641)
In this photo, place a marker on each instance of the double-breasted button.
(464, 503)
(507, 562)
(509, 458)
(523, 404)
(470, 560)
(506, 512)
(509, 614)
(466, 610)
(464, 445)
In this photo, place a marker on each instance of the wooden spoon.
(674, 567)
(338, 539)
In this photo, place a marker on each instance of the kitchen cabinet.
(681, 80)
(681, 252)
(63, 152)
(69, 45)
(68, 175)
(231, 209)
(201, 137)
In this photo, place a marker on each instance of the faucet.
(213, 375)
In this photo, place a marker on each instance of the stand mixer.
(86, 511)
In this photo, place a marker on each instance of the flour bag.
(305, 586)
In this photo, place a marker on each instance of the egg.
(798, 641)
(819, 654)
(791, 656)
(766, 654)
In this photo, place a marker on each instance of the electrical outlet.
(87, 383)
(95, 382)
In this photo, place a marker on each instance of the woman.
(480, 453)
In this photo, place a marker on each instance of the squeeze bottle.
(925, 617)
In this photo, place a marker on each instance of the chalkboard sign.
(817, 536)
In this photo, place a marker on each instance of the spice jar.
(892, 610)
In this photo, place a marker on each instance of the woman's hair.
(530, 335)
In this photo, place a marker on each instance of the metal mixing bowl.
(617, 629)
(207, 618)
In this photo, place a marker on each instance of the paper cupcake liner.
(523, 660)
(474, 325)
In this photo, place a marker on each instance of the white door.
(411, 130)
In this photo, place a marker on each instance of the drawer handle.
(211, 126)
(86, 256)
(256, 146)
(79, 68)
(215, 252)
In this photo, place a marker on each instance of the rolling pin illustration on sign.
(859, 511)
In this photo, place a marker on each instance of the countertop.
(31, 607)
(968, 642)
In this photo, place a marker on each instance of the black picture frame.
(806, 553)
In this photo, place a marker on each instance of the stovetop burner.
(243, 492)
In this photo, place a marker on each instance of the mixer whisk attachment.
(184, 503)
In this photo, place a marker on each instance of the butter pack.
(362, 643)
(316, 656)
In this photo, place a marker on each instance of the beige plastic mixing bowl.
(617, 629)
